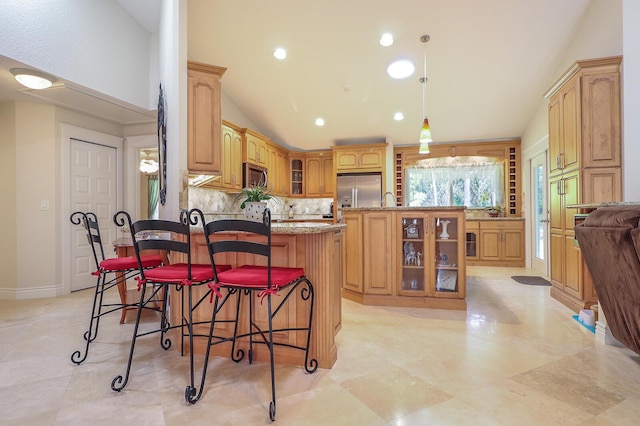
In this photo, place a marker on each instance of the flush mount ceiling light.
(33, 79)
(398, 116)
(319, 122)
(400, 69)
(280, 53)
(425, 131)
(386, 40)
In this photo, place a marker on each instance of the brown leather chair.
(609, 240)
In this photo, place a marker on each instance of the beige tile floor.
(515, 357)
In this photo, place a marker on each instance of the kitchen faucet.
(383, 201)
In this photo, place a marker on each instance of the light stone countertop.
(295, 228)
(494, 218)
(402, 208)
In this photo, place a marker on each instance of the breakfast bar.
(316, 247)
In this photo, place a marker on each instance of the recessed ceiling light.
(33, 79)
(398, 116)
(319, 122)
(386, 40)
(280, 53)
(401, 69)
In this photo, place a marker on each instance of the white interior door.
(93, 179)
(539, 215)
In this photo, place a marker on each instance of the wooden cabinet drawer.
(501, 224)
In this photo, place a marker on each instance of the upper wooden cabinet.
(296, 165)
(584, 117)
(204, 129)
(254, 149)
(359, 158)
(231, 157)
(318, 174)
(277, 170)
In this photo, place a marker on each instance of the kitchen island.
(405, 256)
(316, 247)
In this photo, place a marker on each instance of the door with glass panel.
(539, 215)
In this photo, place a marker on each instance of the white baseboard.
(30, 293)
(604, 336)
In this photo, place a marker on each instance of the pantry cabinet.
(585, 165)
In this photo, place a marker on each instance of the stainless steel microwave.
(253, 175)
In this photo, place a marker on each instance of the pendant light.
(148, 165)
(425, 132)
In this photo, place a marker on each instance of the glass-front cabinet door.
(430, 255)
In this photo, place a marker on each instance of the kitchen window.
(456, 181)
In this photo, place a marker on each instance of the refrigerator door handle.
(355, 197)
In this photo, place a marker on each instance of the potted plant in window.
(252, 201)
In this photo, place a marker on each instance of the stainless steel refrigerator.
(359, 189)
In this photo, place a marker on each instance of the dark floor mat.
(530, 280)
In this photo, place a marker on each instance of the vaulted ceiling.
(488, 65)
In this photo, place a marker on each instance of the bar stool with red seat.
(174, 238)
(122, 269)
(262, 281)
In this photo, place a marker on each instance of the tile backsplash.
(211, 200)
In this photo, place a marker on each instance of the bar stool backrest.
(241, 246)
(90, 223)
(159, 234)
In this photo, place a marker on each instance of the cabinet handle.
(557, 161)
(561, 155)
(558, 187)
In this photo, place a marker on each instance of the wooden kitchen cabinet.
(277, 170)
(585, 165)
(231, 176)
(430, 260)
(319, 177)
(403, 257)
(501, 242)
(564, 110)
(204, 119)
(472, 247)
(254, 149)
(353, 252)
(378, 258)
(358, 159)
(296, 164)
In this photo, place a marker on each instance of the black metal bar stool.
(118, 270)
(264, 282)
(174, 238)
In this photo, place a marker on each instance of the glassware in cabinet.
(446, 254)
(413, 252)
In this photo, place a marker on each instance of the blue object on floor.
(591, 328)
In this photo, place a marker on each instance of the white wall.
(95, 44)
(631, 100)
(8, 258)
(36, 246)
(173, 75)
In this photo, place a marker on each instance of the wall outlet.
(44, 205)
